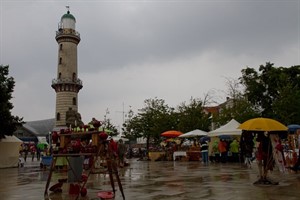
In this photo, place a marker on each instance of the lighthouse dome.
(68, 21)
(68, 15)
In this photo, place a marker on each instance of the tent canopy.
(42, 140)
(9, 148)
(118, 137)
(12, 139)
(231, 128)
(194, 133)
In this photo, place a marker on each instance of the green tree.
(237, 106)
(108, 125)
(275, 91)
(127, 126)
(8, 122)
(286, 106)
(150, 121)
(191, 116)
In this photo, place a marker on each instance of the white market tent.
(117, 138)
(9, 148)
(42, 140)
(231, 128)
(194, 133)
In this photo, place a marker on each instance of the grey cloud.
(131, 46)
(163, 31)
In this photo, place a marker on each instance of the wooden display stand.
(153, 156)
(101, 152)
(94, 135)
(194, 154)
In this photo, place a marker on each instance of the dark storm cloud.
(159, 31)
(131, 50)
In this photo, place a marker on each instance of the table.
(154, 155)
(194, 155)
(178, 153)
(46, 161)
(66, 156)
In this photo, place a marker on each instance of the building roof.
(68, 15)
(40, 127)
(212, 109)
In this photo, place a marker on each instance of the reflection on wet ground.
(163, 180)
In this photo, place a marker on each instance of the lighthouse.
(67, 84)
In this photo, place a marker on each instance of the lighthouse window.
(74, 101)
(60, 60)
(58, 116)
(60, 47)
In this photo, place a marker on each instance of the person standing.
(297, 164)
(264, 158)
(247, 146)
(112, 147)
(204, 151)
(234, 149)
(38, 153)
(223, 150)
(26, 149)
(121, 153)
(215, 152)
(32, 150)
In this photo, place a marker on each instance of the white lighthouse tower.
(67, 84)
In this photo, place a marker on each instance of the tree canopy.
(157, 117)
(8, 123)
(237, 106)
(191, 116)
(274, 90)
(150, 121)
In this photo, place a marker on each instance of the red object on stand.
(74, 189)
(83, 192)
(106, 195)
(103, 135)
(54, 137)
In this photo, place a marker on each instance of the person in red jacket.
(112, 147)
(223, 150)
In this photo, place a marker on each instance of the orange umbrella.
(171, 134)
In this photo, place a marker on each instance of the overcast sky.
(136, 50)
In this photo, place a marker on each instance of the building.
(35, 131)
(214, 111)
(67, 84)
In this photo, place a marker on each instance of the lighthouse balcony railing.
(66, 80)
(67, 32)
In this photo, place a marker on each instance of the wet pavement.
(161, 180)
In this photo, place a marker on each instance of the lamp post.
(50, 138)
(50, 142)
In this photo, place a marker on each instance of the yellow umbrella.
(262, 124)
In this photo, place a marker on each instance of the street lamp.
(50, 138)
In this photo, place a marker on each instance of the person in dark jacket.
(204, 151)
